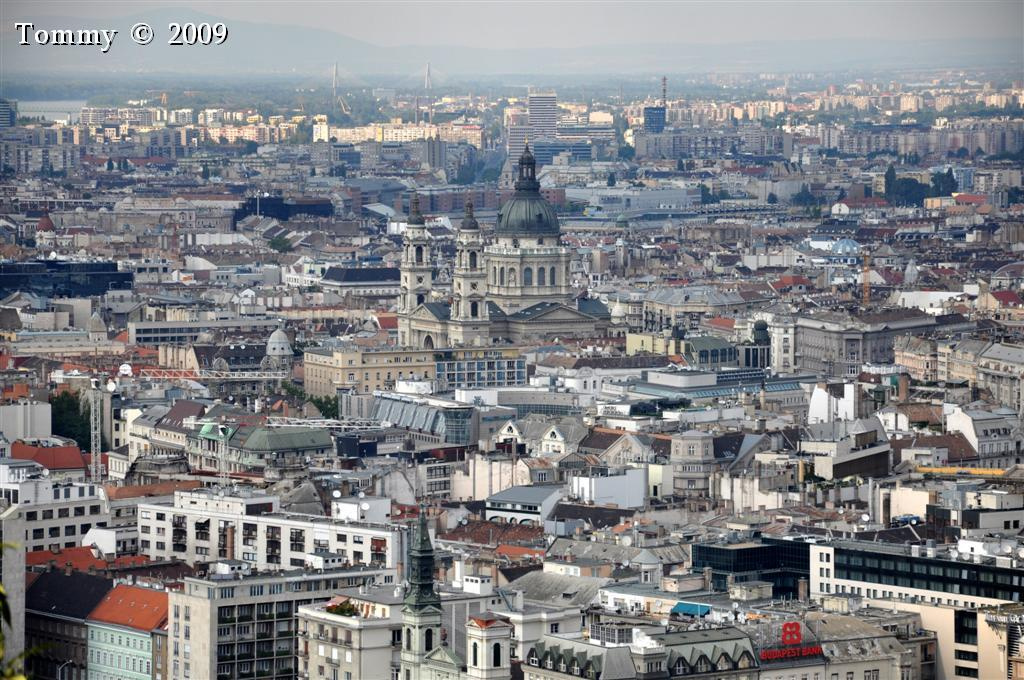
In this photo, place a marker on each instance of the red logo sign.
(792, 634)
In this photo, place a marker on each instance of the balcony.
(331, 661)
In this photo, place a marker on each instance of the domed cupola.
(469, 222)
(527, 213)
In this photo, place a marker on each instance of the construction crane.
(865, 292)
(96, 430)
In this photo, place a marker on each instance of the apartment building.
(204, 525)
(239, 623)
(946, 587)
(51, 516)
(365, 370)
(121, 630)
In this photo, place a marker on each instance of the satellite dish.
(735, 605)
(842, 510)
(111, 386)
(865, 517)
(125, 370)
(362, 494)
(955, 554)
(336, 493)
(241, 347)
(364, 506)
(1020, 553)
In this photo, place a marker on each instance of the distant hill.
(254, 48)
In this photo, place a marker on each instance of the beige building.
(653, 343)
(365, 370)
(919, 356)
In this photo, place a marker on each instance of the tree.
(890, 181)
(680, 165)
(963, 152)
(772, 199)
(70, 419)
(280, 244)
(205, 174)
(943, 183)
(611, 179)
(907, 191)
(328, 406)
(842, 194)
(626, 152)
(312, 172)
(979, 152)
(706, 196)
(804, 198)
(110, 165)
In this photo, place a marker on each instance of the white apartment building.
(237, 623)
(205, 525)
(51, 516)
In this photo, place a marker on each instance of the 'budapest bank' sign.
(792, 638)
(790, 653)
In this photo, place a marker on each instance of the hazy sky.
(539, 23)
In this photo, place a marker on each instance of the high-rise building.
(518, 126)
(8, 113)
(654, 119)
(543, 108)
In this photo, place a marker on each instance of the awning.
(691, 609)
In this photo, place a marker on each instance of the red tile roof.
(1007, 298)
(81, 558)
(149, 490)
(51, 457)
(132, 607)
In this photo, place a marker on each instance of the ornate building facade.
(515, 289)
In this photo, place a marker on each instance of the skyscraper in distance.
(8, 113)
(543, 109)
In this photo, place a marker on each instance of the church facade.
(515, 289)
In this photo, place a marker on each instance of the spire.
(421, 593)
(415, 216)
(469, 222)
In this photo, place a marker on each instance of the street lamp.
(60, 670)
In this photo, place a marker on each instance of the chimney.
(802, 589)
(903, 391)
(68, 568)
(707, 578)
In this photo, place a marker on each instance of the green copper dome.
(527, 213)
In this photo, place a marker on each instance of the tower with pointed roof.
(469, 317)
(421, 608)
(417, 278)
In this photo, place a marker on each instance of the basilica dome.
(527, 213)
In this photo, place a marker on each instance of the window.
(553, 628)
(475, 654)
(428, 638)
(496, 655)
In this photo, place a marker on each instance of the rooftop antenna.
(664, 91)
